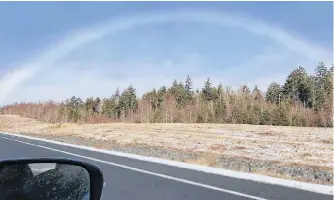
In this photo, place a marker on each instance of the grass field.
(298, 145)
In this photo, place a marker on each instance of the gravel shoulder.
(304, 154)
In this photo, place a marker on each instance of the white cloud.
(57, 50)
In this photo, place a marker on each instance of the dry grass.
(302, 145)
(208, 159)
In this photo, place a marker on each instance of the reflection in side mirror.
(52, 181)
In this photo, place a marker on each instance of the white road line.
(144, 171)
(311, 187)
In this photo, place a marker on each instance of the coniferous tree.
(207, 91)
(274, 93)
(188, 89)
(303, 100)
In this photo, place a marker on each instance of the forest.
(303, 100)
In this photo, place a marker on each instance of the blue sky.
(53, 50)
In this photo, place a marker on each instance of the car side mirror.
(49, 178)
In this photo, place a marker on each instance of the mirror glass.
(44, 181)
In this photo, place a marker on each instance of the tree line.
(303, 100)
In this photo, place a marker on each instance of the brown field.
(298, 145)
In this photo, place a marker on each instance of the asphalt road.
(127, 178)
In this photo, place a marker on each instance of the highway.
(127, 178)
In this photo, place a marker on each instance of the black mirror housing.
(95, 174)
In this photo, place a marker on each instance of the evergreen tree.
(74, 105)
(298, 87)
(128, 100)
(322, 85)
(274, 93)
(280, 117)
(220, 103)
(177, 90)
(303, 100)
(110, 108)
(161, 96)
(207, 91)
(328, 82)
(188, 89)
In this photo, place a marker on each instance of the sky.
(54, 50)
